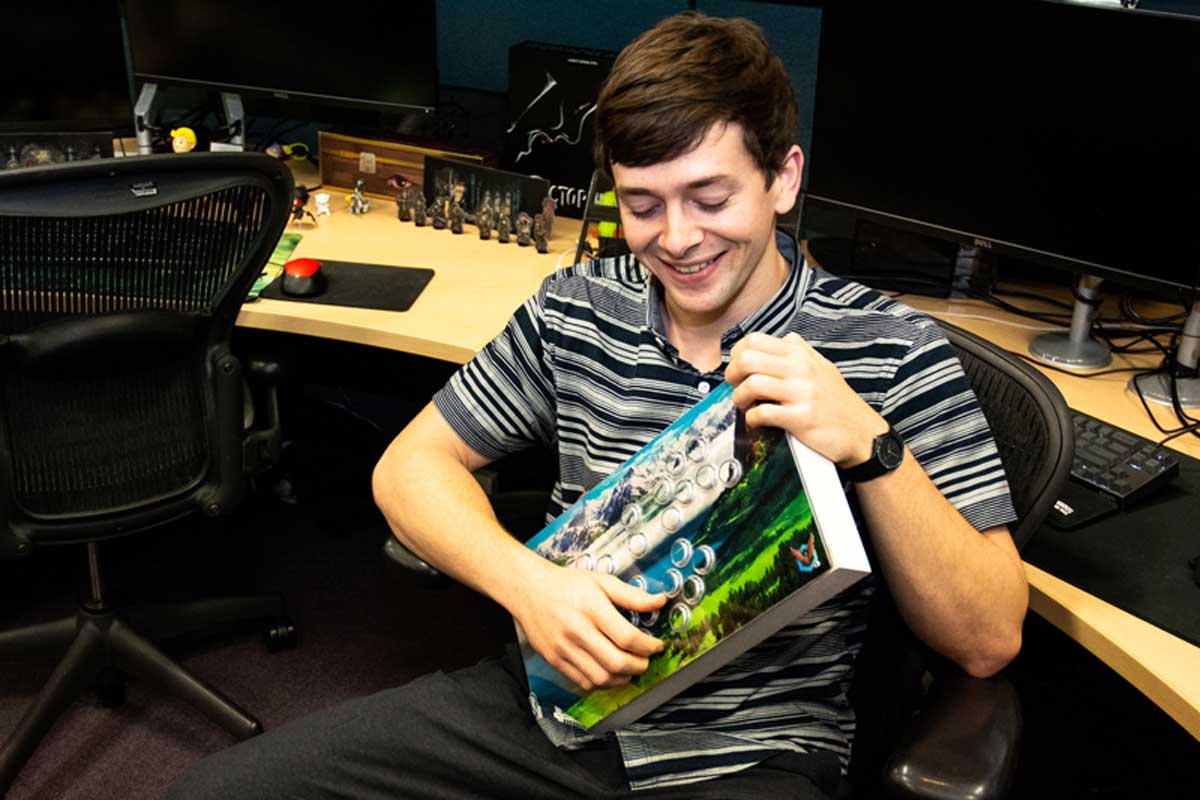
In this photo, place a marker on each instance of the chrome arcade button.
(681, 553)
(730, 472)
(672, 519)
(693, 590)
(672, 582)
(679, 617)
(703, 560)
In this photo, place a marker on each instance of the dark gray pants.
(467, 734)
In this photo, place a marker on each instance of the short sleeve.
(502, 400)
(931, 405)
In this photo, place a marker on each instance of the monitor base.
(1062, 350)
(1157, 389)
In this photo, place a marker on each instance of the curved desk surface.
(478, 284)
(475, 288)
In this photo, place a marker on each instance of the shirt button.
(703, 387)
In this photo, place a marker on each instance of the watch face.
(891, 451)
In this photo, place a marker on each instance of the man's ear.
(787, 180)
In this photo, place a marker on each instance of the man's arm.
(961, 592)
(423, 486)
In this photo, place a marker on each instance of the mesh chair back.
(1030, 422)
(120, 283)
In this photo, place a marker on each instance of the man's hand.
(785, 383)
(571, 617)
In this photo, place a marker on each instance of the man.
(696, 125)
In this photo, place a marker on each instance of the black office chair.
(121, 405)
(960, 738)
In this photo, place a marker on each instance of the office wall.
(474, 35)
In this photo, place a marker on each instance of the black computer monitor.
(1057, 133)
(64, 69)
(368, 54)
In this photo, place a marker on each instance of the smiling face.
(704, 224)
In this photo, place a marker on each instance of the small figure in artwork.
(503, 228)
(358, 202)
(548, 206)
(322, 200)
(524, 229)
(419, 213)
(540, 238)
(457, 217)
(483, 220)
(299, 205)
(439, 213)
(183, 140)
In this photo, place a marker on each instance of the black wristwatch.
(886, 454)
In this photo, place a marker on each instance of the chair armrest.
(964, 743)
(413, 565)
(262, 445)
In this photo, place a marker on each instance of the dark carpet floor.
(362, 627)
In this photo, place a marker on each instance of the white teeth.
(694, 268)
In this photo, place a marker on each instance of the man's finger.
(626, 595)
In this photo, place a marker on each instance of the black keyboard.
(1117, 463)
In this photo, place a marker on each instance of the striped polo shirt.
(585, 368)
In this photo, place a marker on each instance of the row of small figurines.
(447, 212)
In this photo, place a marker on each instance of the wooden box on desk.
(344, 159)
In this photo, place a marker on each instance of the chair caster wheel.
(280, 635)
(110, 688)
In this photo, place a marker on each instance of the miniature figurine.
(322, 200)
(483, 219)
(404, 196)
(183, 140)
(540, 237)
(419, 215)
(548, 206)
(524, 229)
(503, 228)
(12, 162)
(299, 201)
(439, 213)
(358, 202)
(457, 217)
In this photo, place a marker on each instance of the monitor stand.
(143, 120)
(1077, 349)
(1157, 388)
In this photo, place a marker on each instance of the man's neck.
(698, 339)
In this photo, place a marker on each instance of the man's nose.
(680, 233)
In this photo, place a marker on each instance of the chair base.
(99, 641)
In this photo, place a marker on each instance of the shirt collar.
(771, 318)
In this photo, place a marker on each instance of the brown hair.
(672, 83)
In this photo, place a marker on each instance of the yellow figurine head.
(183, 140)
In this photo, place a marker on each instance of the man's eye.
(642, 213)
(713, 206)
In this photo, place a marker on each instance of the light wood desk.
(475, 288)
(479, 284)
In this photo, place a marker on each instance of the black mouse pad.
(1136, 558)
(362, 286)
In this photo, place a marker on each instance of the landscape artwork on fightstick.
(711, 513)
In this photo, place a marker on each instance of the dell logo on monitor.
(984, 243)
